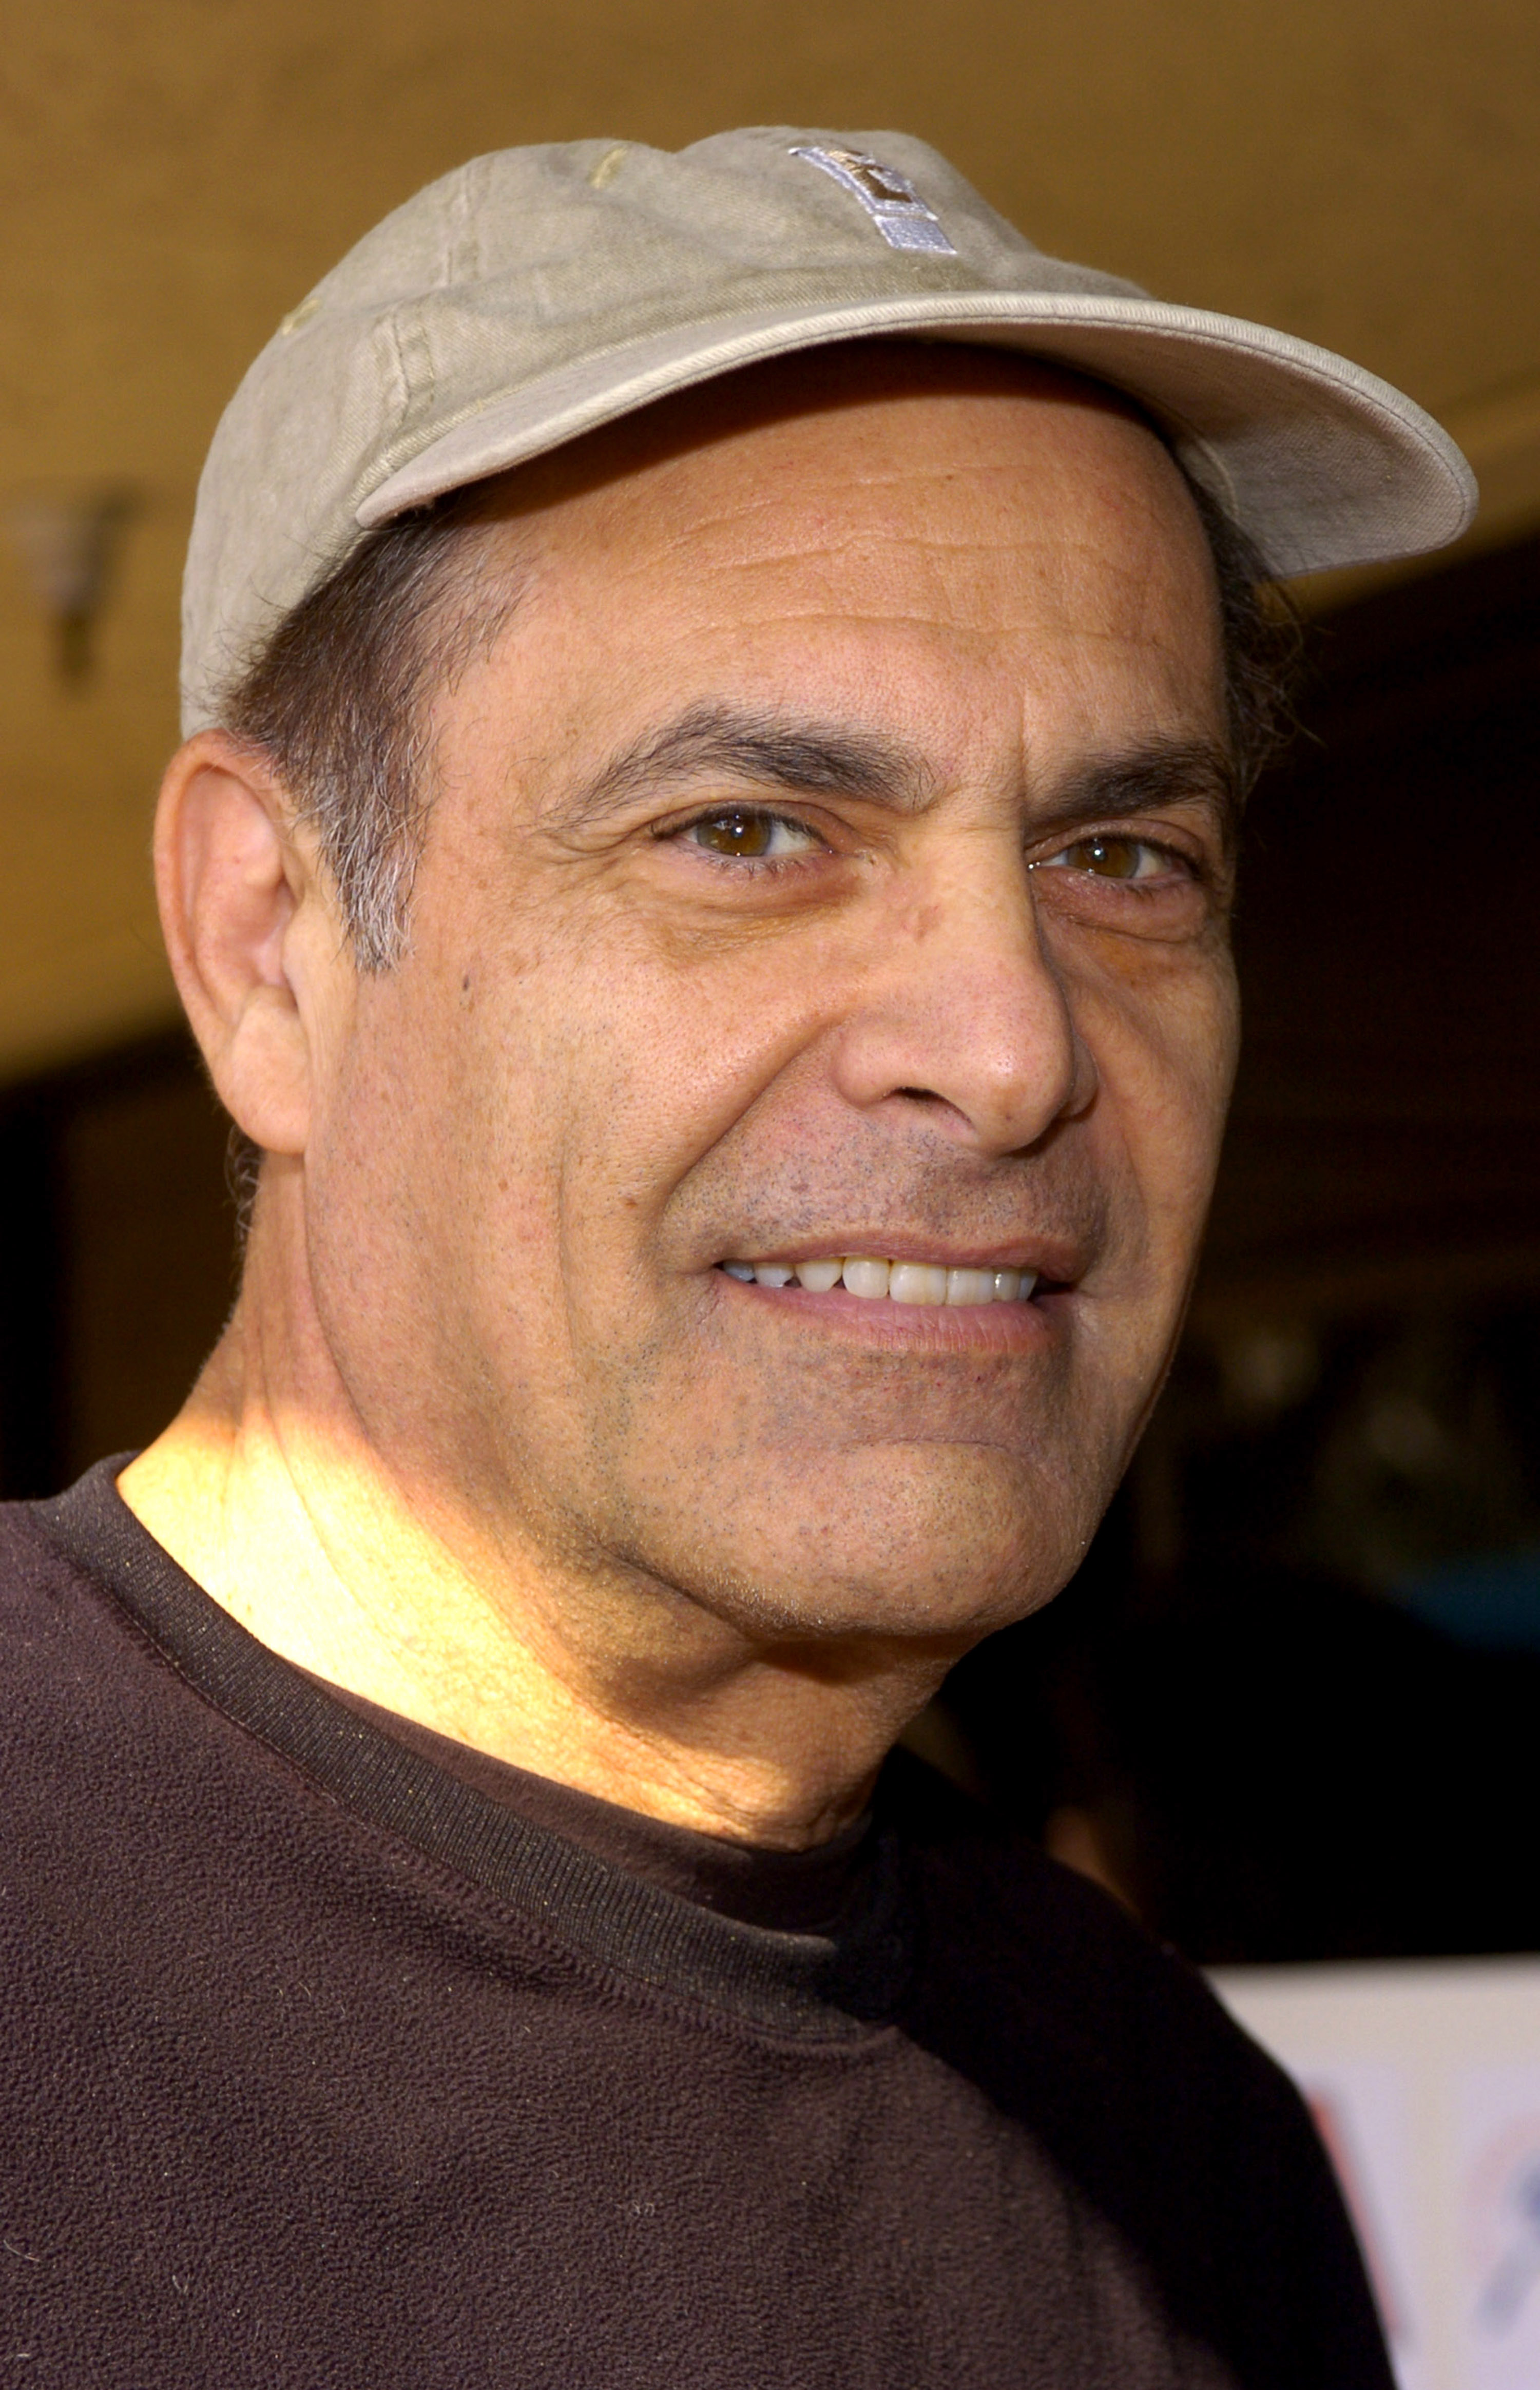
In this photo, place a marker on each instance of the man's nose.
(963, 1009)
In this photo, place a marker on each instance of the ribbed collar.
(795, 1891)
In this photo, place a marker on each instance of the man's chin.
(927, 1545)
(855, 1609)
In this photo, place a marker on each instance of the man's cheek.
(633, 1107)
(1166, 1070)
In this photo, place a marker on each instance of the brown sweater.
(329, 2065)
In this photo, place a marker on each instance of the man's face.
(829, 860)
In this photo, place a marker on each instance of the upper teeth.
(900, 1281)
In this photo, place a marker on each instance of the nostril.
(920, 1095)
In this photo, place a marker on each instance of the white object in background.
(68, 540)
(1425, 2082)
(1498, 2122)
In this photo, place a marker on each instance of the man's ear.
(237, 895)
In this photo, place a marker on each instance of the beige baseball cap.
(536, 293)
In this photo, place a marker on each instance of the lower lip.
(937, 1327)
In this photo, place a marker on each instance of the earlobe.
(231, 883)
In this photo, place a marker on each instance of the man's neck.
(266, 1491)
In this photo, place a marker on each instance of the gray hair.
(339, 698)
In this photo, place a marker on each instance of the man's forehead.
(884, 491)
(854, 389)
(693, 614)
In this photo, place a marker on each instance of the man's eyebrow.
(809, 758)
(768, 751)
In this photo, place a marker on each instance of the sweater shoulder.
(51, 1602)
(1118, 2058)
(1058, 1985)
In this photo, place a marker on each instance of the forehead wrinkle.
(924, 598)
(955, 572)
(960, 477)
(950, 582)
(805, 512)
(1032, 483)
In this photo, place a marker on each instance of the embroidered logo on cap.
(889, 198)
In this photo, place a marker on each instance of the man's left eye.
(1116, 858)
(742, 830)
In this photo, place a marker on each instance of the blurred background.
(1290, 1707)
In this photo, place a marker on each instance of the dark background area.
(1290, 1707)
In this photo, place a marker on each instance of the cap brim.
(1322, 464)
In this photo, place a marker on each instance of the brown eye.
(1113, 858)
(742, 832)
(1110, 858)
(734, 833)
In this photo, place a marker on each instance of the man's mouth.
(930, 1284)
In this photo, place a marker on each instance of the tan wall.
(175, 176)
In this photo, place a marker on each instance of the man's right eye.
(743, 830)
